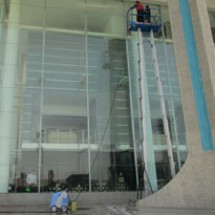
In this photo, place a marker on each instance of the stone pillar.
(186, 89)
(7, 112)
(206, 54)
(196, 76)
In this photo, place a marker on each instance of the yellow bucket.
(73, 206)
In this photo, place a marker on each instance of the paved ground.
(95, 210)
(176, 211)
(119, 210)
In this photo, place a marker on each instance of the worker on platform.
(147, 14)
(140, 11)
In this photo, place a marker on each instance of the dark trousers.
(140, 16)
(148, 17)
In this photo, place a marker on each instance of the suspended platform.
(153, 25)
(144, 27)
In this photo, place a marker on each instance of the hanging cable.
(108, 119)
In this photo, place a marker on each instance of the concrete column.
(187, 95)
(7, 112)
(196, 76)
(206, 54)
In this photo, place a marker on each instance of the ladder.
(141, 64)
(142, 72)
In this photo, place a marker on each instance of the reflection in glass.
(71, 114)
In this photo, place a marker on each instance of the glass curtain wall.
(65, 104)
(72, 117)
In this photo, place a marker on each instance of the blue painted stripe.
(195, 71)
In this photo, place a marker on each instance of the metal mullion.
(88, 111)
(41, 106)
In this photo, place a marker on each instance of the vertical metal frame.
(40, 147)
(171, 96)
(163, 107)
(88, 101)
(147, 141)
(143, 112)
(132, 116)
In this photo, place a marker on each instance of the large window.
(65, 97)
(76, 116)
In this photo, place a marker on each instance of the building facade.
(70, 111)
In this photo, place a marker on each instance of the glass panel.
(166, 22)
(64, 117)
(32, 13)
(162, 168)
(65, 168)
(112, 164)
(30, 79)
(27, 171)
(31, 75)
(31, 116)
(66, 15)
(26, 179)
(99, 18)
(64, 113)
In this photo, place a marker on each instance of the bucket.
(73, 206)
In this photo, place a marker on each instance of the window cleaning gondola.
(146, 18)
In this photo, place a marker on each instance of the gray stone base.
(192, 188)
(176, 211)
(35, 202)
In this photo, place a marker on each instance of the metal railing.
(132, 16)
